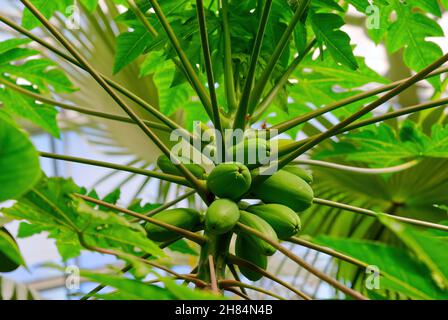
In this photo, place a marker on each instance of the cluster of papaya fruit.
(279, 199)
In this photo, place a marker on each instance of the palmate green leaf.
(19, 161)
(50, 207)
(383, 146)
(410, 31)
(41, 75)
(168, 7)
(322, 82)
(400, 271)
(431, 6)
(428, 249)
(404, 27)
(326, 28)
(133, 43)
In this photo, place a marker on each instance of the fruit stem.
(216, 246)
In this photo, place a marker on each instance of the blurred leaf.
(47, 8)
(42, 73)
(19, 161)
(182, 292)
(400, 271)
(9, 44)
(428, 249)
(25, 107)
(128, 289)
(90, 4)
(183, 247)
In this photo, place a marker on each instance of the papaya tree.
(288, 147)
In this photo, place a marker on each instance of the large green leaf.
(19, 161)
(10, 256)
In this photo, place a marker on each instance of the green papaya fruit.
(184, 218)
(221, 216)
(284, 221)
(229, 180)
(285, 188)
(300, 172)
(281, 146)
(251, 152)
(244, 249)
(262, 226)
(6, 263)
(165, 164)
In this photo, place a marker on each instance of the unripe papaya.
(281, 146)
(184, 218)
(251, 152)
(300, 172)
(229, 180)
(165, 164)
(284, 221)
(221, 216)
(6, 263)
(244, 249)
(262, 226)
(285, 188)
